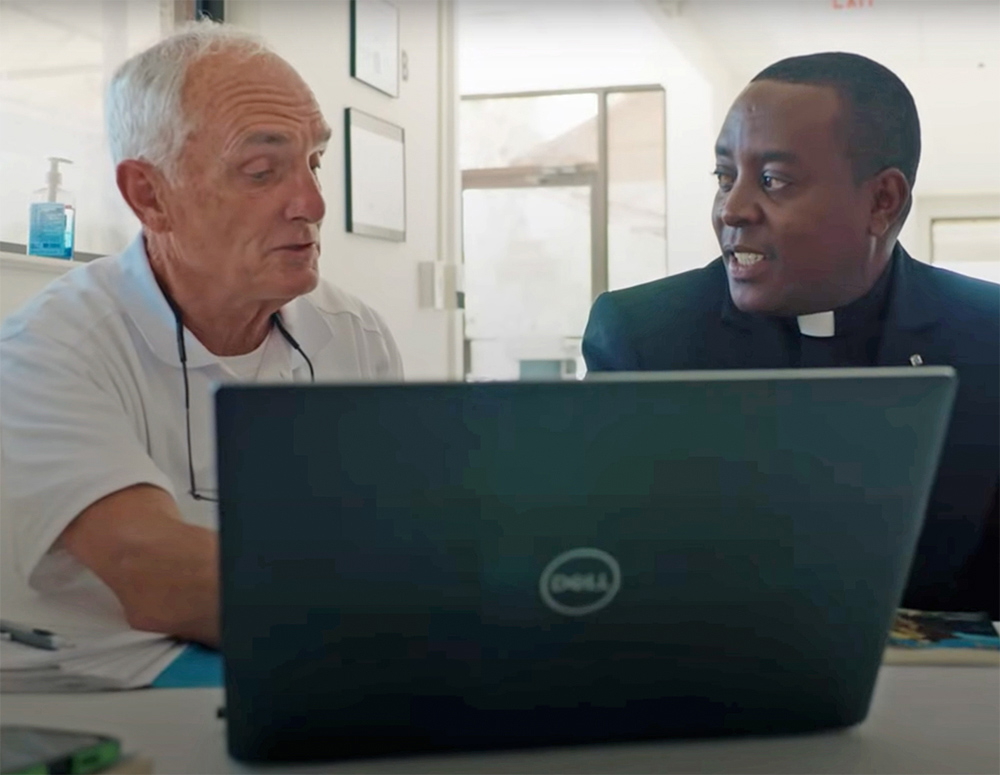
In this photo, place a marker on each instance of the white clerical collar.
(819, 324)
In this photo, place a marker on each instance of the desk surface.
(923, 720)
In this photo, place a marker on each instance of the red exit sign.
(840, 5)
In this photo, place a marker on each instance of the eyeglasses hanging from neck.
(182, 354)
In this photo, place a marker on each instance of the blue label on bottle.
(50, 230)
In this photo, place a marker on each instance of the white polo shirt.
(92, 397)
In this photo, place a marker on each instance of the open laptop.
(456, 566)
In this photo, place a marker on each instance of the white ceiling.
(947, 53)
(750, 34)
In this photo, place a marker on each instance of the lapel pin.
(916, 360)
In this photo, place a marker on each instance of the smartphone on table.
(39, 751)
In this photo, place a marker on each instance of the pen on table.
(32, 636)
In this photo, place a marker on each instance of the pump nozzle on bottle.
(55, 177)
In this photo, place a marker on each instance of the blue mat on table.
(197, 667)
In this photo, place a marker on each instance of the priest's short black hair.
(883, 129)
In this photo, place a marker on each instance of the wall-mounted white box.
(439, 286)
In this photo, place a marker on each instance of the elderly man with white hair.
(106, 424)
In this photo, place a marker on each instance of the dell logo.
(580, 581)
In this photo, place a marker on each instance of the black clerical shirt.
(857, 331)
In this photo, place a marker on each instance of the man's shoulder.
(693, 293)
(964, 302)
(961, 291)
(340, 307)
(345, 318)
(70, 307)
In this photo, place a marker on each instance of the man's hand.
(164, 571)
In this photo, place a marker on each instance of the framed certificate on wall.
(375, 44)
(376, 176)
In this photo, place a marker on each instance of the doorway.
(563, 198)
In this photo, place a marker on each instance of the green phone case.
(91, 759)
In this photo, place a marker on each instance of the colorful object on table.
(942, 637)
(196, 668)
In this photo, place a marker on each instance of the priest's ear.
(890, 202)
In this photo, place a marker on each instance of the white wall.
(509, 46)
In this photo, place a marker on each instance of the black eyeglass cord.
(276, 322)
(182, 355)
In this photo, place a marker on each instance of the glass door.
(564, 198)
(528, 273)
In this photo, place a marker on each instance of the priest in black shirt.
(816, 163)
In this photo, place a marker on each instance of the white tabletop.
(923, 720)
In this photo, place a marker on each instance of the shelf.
(52, 266)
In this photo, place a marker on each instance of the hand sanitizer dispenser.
(52, 223)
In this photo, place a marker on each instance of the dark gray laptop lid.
(449, 565)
